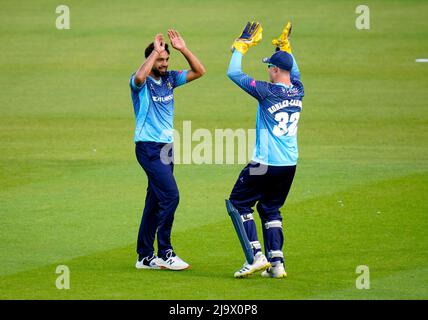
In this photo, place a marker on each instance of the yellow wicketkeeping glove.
(282, 42)
(251, 35)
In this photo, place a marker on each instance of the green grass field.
(72, 192)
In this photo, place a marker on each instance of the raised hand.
(177, 41)
(159, 43)
(282, 42)
(251, 36)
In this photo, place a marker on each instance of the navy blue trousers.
(269, 190)
(161, 200)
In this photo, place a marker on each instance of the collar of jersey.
(156, 81)
(284, 85)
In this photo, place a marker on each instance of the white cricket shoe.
(276, 271)
(172, 262)
(147, 263)
(260, 263)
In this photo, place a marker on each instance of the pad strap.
(256, 245)
(273, 224)
(247, 217)
(275, 254)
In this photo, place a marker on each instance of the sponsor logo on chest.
(163, 99)
(158, 94)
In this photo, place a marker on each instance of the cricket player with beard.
(152, 87)
(267, 179)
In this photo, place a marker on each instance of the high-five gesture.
(156, 63)
(177, 41)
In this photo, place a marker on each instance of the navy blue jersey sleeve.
(257, 89)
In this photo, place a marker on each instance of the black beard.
(157, 73)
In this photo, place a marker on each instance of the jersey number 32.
(287, 124)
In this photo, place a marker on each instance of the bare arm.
(145, 69)
(197, 70)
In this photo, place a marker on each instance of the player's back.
(277, 122)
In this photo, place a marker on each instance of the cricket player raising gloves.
(266, 180)
(251, 36)
(282, 43)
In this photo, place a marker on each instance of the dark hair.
(151, 47)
